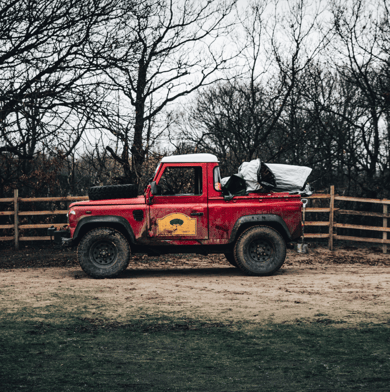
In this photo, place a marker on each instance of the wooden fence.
(16, 200)
(334, 212)
(331, 224)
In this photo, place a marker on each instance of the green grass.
(77, 354)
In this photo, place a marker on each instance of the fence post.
(331, 217)
(16, 218)
(384, 225)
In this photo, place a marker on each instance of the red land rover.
(183, 210)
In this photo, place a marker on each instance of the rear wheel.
(103, 253)
(260, 250)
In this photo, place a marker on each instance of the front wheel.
(260, 251)
(103, 253)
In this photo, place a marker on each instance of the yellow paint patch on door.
(176, 224)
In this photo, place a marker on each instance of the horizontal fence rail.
(331, 225)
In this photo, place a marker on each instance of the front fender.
(110, 220)
(270, 219)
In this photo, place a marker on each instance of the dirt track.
(348, 286)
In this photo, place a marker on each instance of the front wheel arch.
(93, 222)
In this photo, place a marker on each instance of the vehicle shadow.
(193, 272)
(154, 272)
(179, 272)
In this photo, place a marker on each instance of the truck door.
(179, 210)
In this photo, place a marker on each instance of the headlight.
(71, 212)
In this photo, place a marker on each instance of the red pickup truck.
(183, 210)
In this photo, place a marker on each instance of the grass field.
(78, 354)
(188, 325)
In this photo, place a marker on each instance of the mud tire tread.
(108, 235)
(266, 233)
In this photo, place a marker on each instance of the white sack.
(224, 181)
(248, 171)
(289, 178)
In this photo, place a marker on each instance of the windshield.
(217, 179)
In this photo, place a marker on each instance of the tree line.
(95, 92)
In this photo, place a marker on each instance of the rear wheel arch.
(270, 220)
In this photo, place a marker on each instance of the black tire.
(103, 253)
(260, 251)
(230, 258)
(113, 192)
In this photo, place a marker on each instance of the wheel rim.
(103, 254)
(260, 252)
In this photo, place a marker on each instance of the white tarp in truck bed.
(287, 178)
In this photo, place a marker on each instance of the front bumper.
(61, 237)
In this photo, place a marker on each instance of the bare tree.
(47, 88)
(361, 54)
(160, 50)
(256, 114)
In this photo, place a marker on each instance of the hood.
(109, 202)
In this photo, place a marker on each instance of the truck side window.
(183, 181)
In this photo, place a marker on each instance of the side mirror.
(155, 189)
(151, 190)
(148, 195)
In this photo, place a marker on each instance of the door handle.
(196, 214)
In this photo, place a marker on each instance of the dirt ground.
(347, 286)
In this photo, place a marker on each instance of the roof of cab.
(190, 158)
